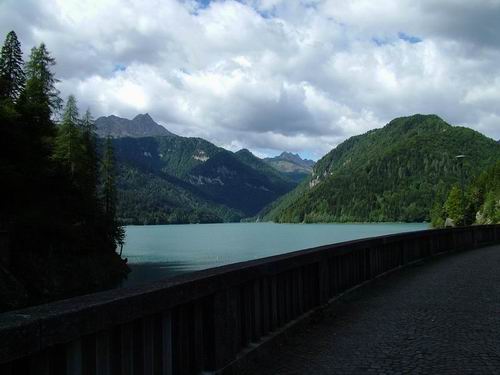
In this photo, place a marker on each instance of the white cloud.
(272, 75)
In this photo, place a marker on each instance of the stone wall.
(4, 248)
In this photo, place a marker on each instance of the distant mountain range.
(165, 178)
(140, 126)
(292, 165)
(389, 174)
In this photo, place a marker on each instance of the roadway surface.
(438, 317)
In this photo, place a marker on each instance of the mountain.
(261, 164)
(389, 174)
(145, 197)
(140, 126)
(291, 165)
(173, 179)
(244, 184)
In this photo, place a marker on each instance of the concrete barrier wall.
(4, 248)
(201, 322)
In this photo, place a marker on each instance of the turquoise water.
(159, 251)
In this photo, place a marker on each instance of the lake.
(159, 251)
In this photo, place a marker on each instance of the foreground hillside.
(389, 174)
(173, 179)
(58, 228)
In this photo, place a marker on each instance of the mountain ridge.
(194, 181)
(291, 165)
(142, 125)
(388, 174)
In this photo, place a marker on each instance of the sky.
(272, 75)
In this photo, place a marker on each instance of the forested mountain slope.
(146, 197)
(389, 174)
(188, 180)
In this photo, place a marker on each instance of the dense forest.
(391, 174)
(477, 203)
(146, 198)
(175, 180)
(58, 210)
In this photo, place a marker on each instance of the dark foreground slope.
(388, 174)
(58, 230)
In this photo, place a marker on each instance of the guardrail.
(201, 322)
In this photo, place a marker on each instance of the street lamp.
(461, 158)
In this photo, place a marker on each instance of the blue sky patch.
(409, 38)
(383, 40)
(119, 68)
(204, 3)
(380, 41)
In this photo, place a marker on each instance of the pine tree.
(90, 160)
(40, 94)
(88, 124)
(12, 78)
(68, 143)
(108, 175)
(110, 194)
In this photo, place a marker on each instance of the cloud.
(272, 75)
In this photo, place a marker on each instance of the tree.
(88, 125)
(12, 78)
(438, 215)
(51, 209)
(110, 194)
(108, 175)
(454, 206)
(68, 144)
(40, 94)
(90, 160)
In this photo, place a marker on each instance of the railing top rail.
(65, 320)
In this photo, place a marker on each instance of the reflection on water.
(162, 251)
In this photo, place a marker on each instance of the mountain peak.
(142, 117)
(244, 151)
(141, 125)
(294, 158)
(293, 164)
(290, 156)
(418, 120)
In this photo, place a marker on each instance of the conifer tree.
(110, 194)
(12, 78)
(90, 160)
(68, 143)
(108, 175)
(40, 94)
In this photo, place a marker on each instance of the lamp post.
(461, 158)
